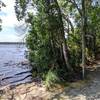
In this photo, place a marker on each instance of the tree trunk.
(66, 57)
(84, 24)
(58, 31)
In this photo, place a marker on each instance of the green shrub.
(51, 78)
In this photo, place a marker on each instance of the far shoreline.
(12, 43)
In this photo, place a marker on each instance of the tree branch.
(75, 4)
(69, 21)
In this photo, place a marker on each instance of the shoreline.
(12, 43)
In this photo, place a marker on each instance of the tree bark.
(84, 22)
(58, 31)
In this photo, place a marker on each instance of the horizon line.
(12, 42)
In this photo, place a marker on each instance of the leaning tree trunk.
(64, 46)
(57, 29)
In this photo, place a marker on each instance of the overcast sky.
(9, 20)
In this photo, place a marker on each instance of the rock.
(25, 62)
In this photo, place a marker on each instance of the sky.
(9, 21)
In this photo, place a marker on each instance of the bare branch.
(69, 21)
(75, 4)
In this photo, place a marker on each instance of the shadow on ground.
(35, 91)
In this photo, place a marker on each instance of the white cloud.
(9, 20)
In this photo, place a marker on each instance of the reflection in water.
(14, 67)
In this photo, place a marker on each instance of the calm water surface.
(13, 67)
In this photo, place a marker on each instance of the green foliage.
(51, 78)
(37, 43)
(1, 6)
(75, 50)
(53, 56)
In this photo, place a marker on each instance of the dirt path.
(34, 91)
(90, 91)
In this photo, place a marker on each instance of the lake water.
(14, 68)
